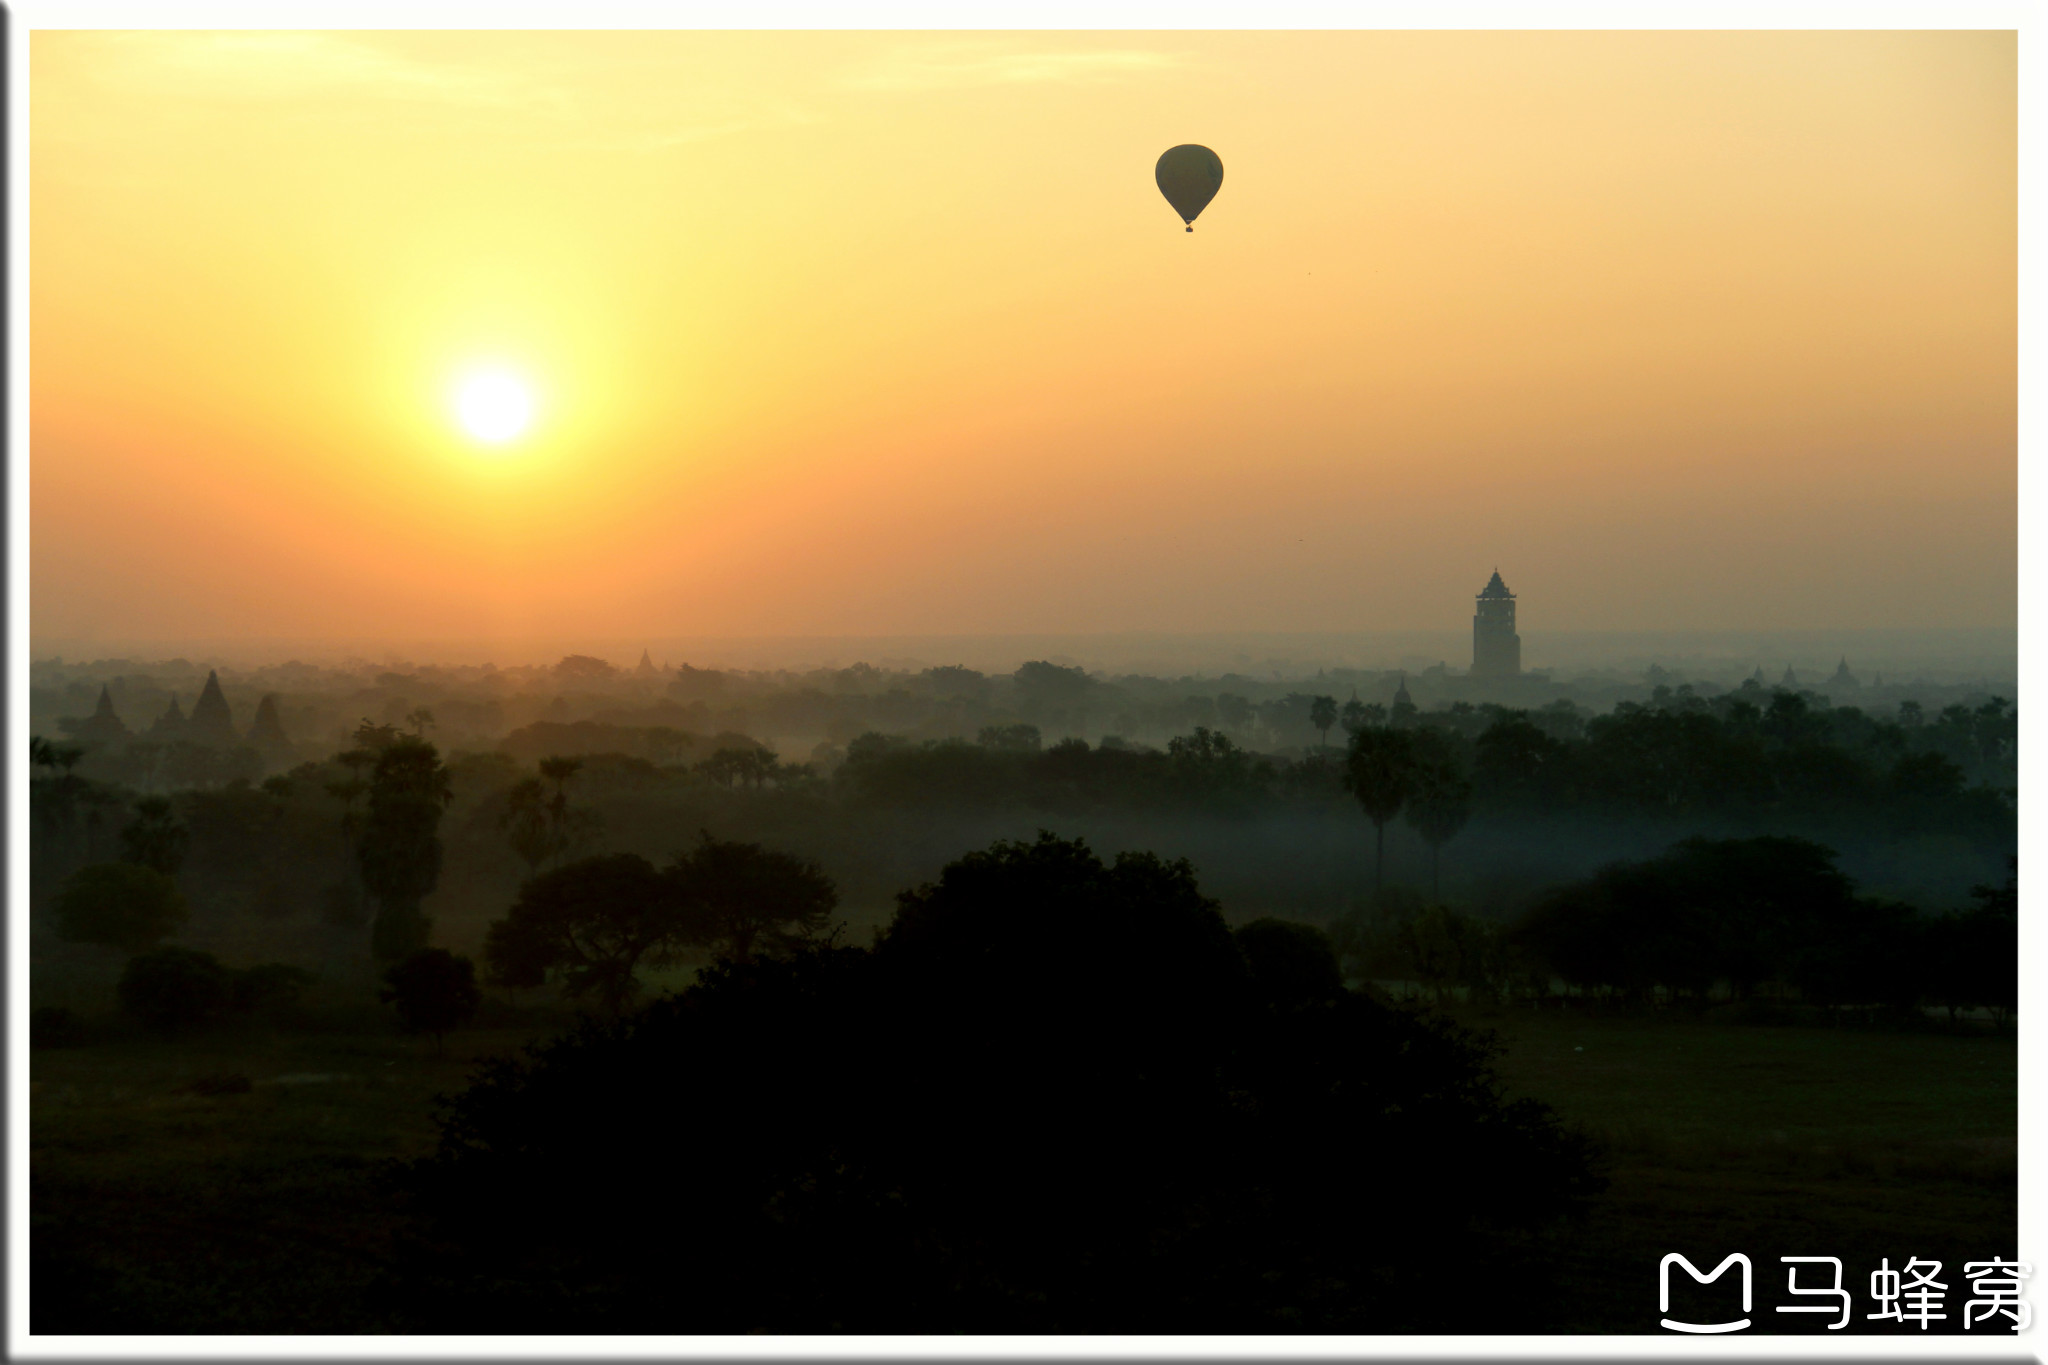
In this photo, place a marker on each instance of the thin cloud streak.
(959, 67)
(299, 66)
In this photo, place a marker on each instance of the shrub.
(172, 988)
(435, 991)
(1294, 964)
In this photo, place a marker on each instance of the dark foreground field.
(155, 1208)
(1772, 1141)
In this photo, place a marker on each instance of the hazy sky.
(892, 333)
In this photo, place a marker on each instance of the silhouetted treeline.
(1058, 1095)
(1710, 920)
(1495, 807)
(129, 718)
(1779, 759)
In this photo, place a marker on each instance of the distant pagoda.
(1844, 680)
(212, 723)
(102, 729)
(1403, 709)
(267, 736)
(171, 724)
(1496, 649)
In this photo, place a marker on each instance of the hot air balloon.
(1189, 176)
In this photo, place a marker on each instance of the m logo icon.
(1664, 1292)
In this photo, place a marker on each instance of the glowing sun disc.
(493, 406)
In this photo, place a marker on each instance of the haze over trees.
(1060, 1091)
(434, 844)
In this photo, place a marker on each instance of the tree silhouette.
(154, 838)
(556, 772)
(1293, 964)
(736, 894)
(1015, 739)
(374, 737)
(1379, 770)
(1440, 798)
(400, 851)
(540, 823)
(1055, 1097)
(749, 766)
(58, 803)
(584, 668)
(596, 921)
(434, 990)
(344, 898)
(1322, 714)
(526, 823)
(1055, 694)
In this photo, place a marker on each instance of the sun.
(493, 405)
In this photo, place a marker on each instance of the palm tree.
(1322, 714)
(525, 823)
(1440, 801)
(570, 826)
(1379, 771)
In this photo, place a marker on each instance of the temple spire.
(212, 722)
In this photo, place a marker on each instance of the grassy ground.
(1771, 1141)
(157, 1209)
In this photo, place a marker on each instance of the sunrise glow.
(893, 332)
(494, 406)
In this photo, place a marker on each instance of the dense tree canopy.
(595, 921)
(1054, 1097)
(1737, 914)
(400, 847)
(735, 895)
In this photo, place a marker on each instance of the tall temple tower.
(1496, 649)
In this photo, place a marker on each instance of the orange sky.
(891, 333)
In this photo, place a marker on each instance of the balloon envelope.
(1189, 176)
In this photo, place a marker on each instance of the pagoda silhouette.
(1496, 648)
